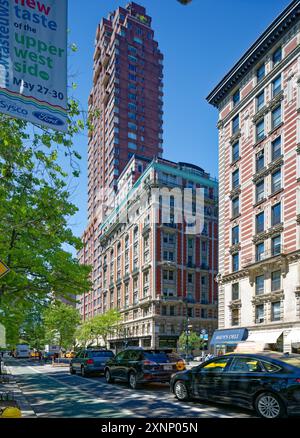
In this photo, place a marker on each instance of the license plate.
(168, 367)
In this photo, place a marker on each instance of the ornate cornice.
(268, 297)
(275, 101)
(235, 192)
(235, 248)
(276, 163)
(235, 136)
(260, 174)
(260, 237)
(235, 304)
(280, 26)
(260, 114)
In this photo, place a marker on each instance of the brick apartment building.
(159, 275)
(148, 272)
(259, 223)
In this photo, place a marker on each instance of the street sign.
(33, 61)
(3, 269)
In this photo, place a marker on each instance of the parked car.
(136, 365)
(90, 361)
(267, 382)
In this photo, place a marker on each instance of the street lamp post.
(187, 299)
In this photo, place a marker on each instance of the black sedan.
(267, 382)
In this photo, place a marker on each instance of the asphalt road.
(53, 392)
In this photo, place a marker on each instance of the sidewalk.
(13, 387)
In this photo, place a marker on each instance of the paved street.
(53, 392)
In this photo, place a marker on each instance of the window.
(245, 365)
(275, 311)
(275, 281)
(132, 107)
(132, 135)
(276, 86)
(168, 275)
(276, 245)
(259, 285)
(276, 148)
(235, 262)
(132, 145)
(276, 214)
(235, 293)
(276, 117)
(259, 251)
(217, 366)
(260, 130)
(132, 116)
(277, 56)
(235, 317)
(260, 100)
(259, 314)
(190, 278)
(235, 151)
(132, 126)
(131, 77)
(235, 178)
(169, 255)
(138, 40)
(235, 235)
(260, 191)
(260, 160)
(235, 124)
(270, 367)
(276, 181)
(260, 222)
(260, 73)
(236, 98)
(131, 96)
(235, 207)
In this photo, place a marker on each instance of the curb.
(20, 398)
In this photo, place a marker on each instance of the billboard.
(33, 61)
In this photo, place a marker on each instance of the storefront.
(225, 341)
(168, 342)
(267, 339)
(293, 338)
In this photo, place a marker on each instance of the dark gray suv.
(90, 360)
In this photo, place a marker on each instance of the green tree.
(33, 329)
(61, 321)
(194, 341)
(99, 328)
(35, 211)
(84, 333)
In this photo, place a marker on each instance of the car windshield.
(100, 354)
(157, 357)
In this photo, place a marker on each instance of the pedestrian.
(40, 356)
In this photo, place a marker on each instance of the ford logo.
(48, 118)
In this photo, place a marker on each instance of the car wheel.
(132, 380)
(181, 391)
(108, 377)
(268, 405)
(72, 371)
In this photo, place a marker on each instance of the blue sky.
(200, 43)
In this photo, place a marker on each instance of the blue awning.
(230, 336)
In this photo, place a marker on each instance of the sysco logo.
(47, 118)
(12, 109)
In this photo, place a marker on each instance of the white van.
(22, 351)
